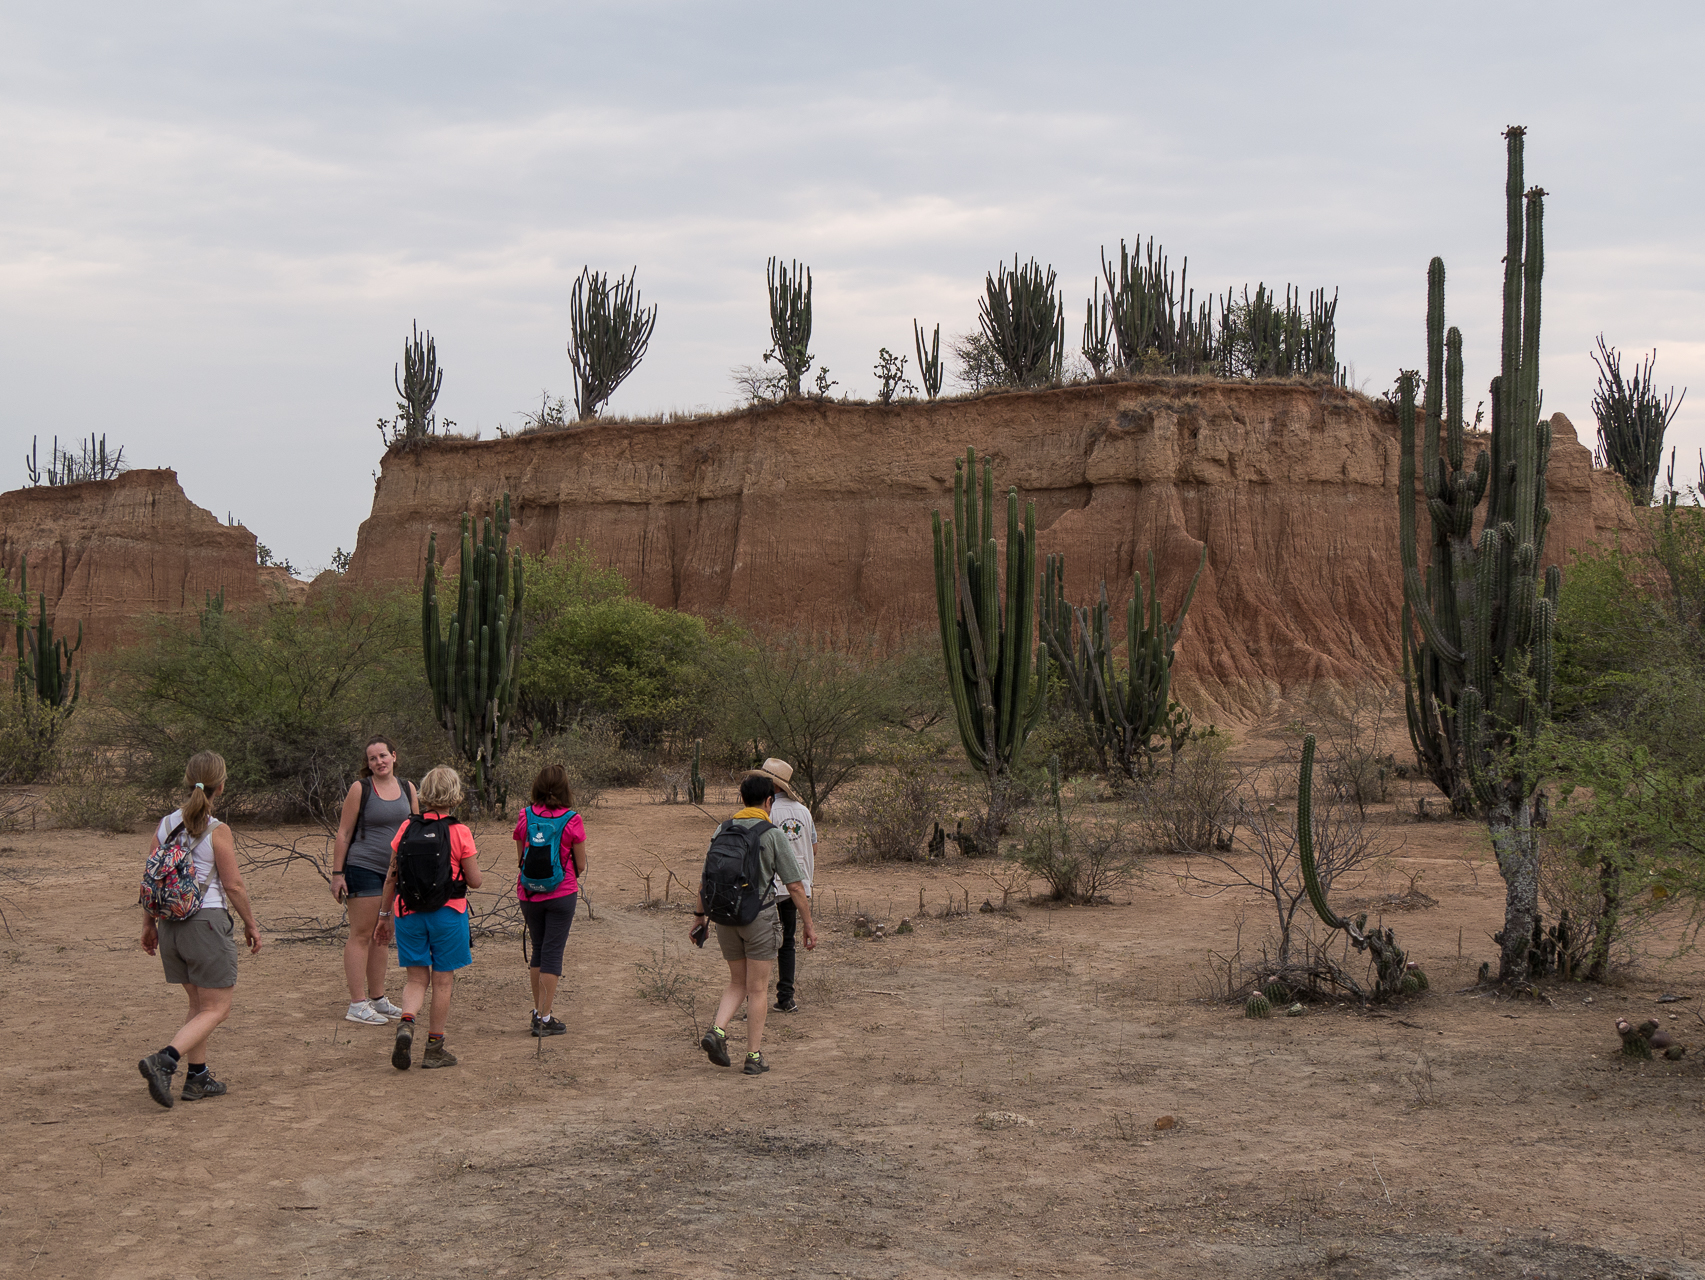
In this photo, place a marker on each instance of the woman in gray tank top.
(372, 811)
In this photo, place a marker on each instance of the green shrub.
(29, 738)
(824, 708)
(288, 694)
(647, 670)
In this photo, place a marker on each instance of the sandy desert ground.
(977, 1098)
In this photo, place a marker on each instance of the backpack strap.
(361, 811)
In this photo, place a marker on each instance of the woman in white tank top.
(198, 951)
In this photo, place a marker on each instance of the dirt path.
(979, 1097)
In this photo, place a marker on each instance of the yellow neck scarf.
(751, 811)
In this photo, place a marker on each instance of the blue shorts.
(436, 940)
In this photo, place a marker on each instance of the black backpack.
(426, 864)
(734, 888)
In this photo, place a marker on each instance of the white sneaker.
(361, 1011)
(382, 1004)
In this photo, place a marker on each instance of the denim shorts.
(363, 882)
(436, 940)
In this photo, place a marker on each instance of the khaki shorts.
(199, 950)
(759, 940)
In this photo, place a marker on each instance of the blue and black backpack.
(541, 861)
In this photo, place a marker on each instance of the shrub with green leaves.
(821, 707)
(29, 734)
(646, 670)
(288, 694)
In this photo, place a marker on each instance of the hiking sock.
(408, 1018)
(197, 1069)
(437, 1039)
(172, 1053)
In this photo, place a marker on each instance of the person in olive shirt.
(750, 949)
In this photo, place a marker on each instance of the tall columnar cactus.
(996, 681)
(790, 321)
(609, 332)
(929, 359)
(418, 381)
(1098, 332)
(1390, 964)
(1025, 323)
(473, 667)
(1477, 629)
(1130, 715)
(44, 663)
(695, 780)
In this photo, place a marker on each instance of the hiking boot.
(789, 1005)
(755, 1064)
(549, 1026)
(157, 1069)
(364, 1013)
(715, 1045)
(405, 1042)
(382, 1004)
(436, 1055)
(201, 1086)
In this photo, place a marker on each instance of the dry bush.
(1351, 726)
(1261, 856)
(894, 814)
(89, 792)
(1190, 806)
(1082, 858)
(590, 752)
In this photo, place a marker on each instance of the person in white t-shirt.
(791, 815)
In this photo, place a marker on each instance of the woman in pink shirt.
(550, 847)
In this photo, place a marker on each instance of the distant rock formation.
(816, 515)
(109, 551)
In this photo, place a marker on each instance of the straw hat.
(779, 772)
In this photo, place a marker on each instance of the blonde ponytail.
(203, 775)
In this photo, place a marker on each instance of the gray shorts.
(759, 940)
(200, 950)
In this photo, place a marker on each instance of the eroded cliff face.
(817, 516)
(108, 551)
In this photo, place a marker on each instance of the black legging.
(547, 925)
(787, 958)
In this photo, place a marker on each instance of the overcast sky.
(217, 221)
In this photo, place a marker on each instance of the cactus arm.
(1305, 838)
(1414, 592)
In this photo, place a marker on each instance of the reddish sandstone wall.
(108, 551)
(817, 515)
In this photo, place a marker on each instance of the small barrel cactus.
(1411, 985)
(1257, 1006)
(1277, 992)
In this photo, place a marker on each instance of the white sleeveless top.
(205, 871)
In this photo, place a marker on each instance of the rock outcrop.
(817, 515)
(108, 551)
